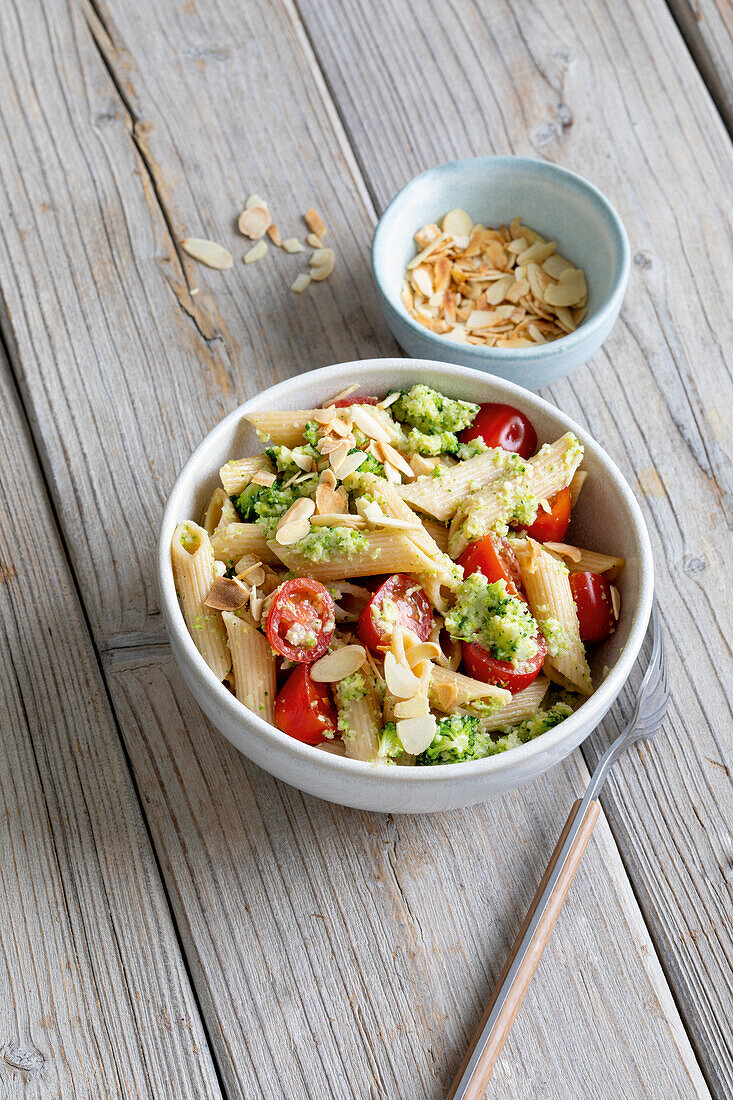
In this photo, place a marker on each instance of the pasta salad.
(389, 579)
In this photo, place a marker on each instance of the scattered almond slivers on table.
(504, 288)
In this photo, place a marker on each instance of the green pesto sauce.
(489, 615)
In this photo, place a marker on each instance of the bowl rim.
(509, 356)
(184, 649)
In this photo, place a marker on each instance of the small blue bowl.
(559, 204)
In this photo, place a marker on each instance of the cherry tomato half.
(347, 402)
(302, 620)
(303, 708)
(494, 558)
(592, 595)
(482, 666)
(503, 426)
(413, 611)
(552, 526)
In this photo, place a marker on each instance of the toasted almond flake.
(564, 550)
(300, 283)
(416, 734)
(263, 477)
(444, 696)
(305, 462)
(498, 290)
(226, 594)
(615, 601)
(300, 510)
(253, 222)
(348, 464)
(322, 270)
(338, 519)
(292, 244)
(401, 681)
(256, 603)
(396, 523)
(194, 291)
(256, 252)
(314, 241)
(545, 506)
(423, 651)
(274, 234)
(207, 252)
(426, 235)
(328, 500)
(290, 533)
(422, 281)
(315, 223)
(537, 253)
(327, 444)
(420, 464)
(416, 707)
(569, 290)
(324, 416)
(389, 399)
(342, 394)
(427, 251)
(482, 318)
(253, 575)
(338, 454)
(368, 424)
(555, 265)
(255, 200)
(340, 426)
(393, 456)
(392, 474)
(328, 478)
(458, 223)
(338, 665)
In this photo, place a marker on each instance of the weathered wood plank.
(322, 942)
(94, 992)
(609, 91)
(707, 27)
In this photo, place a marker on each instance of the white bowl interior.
(557, 203)
(607, 518)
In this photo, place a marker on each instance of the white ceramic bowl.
(607, 518)
(559, 204)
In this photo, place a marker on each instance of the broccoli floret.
(435, 444)
(454, 741)
(310, 433)
(539, 723)
(390, 747)
(268, 505)
(431, 412)
(245, 502)
(490, 615)
(283, 459)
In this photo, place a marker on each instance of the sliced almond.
(537, 253)
(555, 265)
(299, 511)
(254, 222)
(300, 283)
(314, 241)
(342, 394)
(416, 734)
(292, 244)
(274, 234)
(423, 651)
(338, 454)
(458, 223)
(615, 601)
(420, 464)
(328, 478)
(338, 519)
(348, 464)
(256, 603)
(322, 269)
(290, 533)
(444, 696)
(400, 680)
(392, 455)
(315, 223)
(412, 708)
(422, 281)
(389, 399)
(498, 290)
(392, 474)
(253, 575)
(304, 462)
(368, 424)
(330, 501)
(569, 290)
(255, 200)
(256, 252)
(226, 594)
(482, 318)
(340, 427)
(564, 550)
(324, 416)
(207, 252)
(264, 478)
(338, 665)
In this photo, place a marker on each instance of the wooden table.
(174, 922)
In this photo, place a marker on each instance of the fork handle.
(473, 1086)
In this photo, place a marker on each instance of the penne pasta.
(576, 484)
(192, 558)
(236, 475)
(253, 665)
(440, 496)
(233, 541)
(519, 707)
(385, 552)
(450, 690)
(219, 512)
(287, 427)
(589, 561)
(360, 716)
(546, 582)
(438, 533)
(554, 466)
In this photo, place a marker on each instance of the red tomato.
(552, 526)
(592, 595)
(301, 606)
(494, 558)
(503, 426)
(347, 402)
(304, 708)
(413, 610)
(482, 666)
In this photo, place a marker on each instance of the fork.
(480, 1058)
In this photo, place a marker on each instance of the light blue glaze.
(559, 204)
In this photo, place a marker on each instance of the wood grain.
(610, 91)
(334, 953)
(95, 999)
(707, 28)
